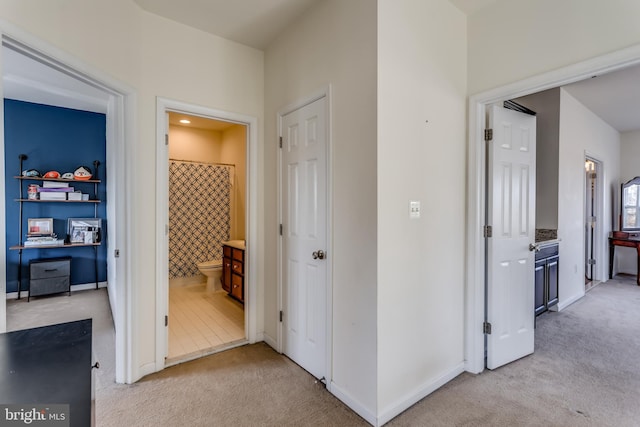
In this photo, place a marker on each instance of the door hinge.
(488, 134)
(166, 229)
(486, 328)
(591, 262)
(281, 229)
(280, 142)
(166, 320)
(487, 231)
(116, 253)
(281, 315)
(166, 139)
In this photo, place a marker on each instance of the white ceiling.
(614, 97)
(469, 7)
(254, 23)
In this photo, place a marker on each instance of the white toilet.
(213, 270)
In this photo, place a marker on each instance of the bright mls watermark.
(34, 415)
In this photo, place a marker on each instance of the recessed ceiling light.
(185, 121)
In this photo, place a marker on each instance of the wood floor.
(202, 322)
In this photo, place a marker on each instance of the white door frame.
(324, 92)
(600, 249)
(120, 133)
(164, 106)
(475, 292)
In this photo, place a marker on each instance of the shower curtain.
(199, 214)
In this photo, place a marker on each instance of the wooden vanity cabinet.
(233, 272)
(226, 268)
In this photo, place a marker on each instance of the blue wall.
(58, 139)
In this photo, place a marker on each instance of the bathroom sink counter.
(238, 244)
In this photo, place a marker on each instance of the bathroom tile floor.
(201, 321)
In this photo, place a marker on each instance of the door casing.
(326, 93)
(120, 132)
(163, 106)
(476, 194)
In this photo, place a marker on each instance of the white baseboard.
(271, 342)
(74, 288)
(352, 403)
(566, 303)
(409, 400)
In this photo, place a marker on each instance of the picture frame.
(84, 230)
(39, 227)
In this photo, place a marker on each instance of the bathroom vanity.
(233, 268)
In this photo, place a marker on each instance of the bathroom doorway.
(206, 235)
(591, 220)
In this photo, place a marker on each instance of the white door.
(304, 241)
(511, 215)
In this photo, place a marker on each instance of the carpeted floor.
(584, 372)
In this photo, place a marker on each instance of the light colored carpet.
(584, 372)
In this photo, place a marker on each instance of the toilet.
(213, 270)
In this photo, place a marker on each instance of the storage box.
(74, 196)
(53, 196)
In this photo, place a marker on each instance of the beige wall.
(335, 43)
(128, 44)
(515, 39)
(194, 145)
(421, 156)
(234, 152)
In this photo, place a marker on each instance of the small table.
(49, 365)
(630, 240)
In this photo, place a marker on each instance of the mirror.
(630, 205)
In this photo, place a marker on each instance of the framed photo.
(39, 227)
(84, 230)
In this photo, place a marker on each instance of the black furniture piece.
(49, 276)
(546, 278)
(50, 365)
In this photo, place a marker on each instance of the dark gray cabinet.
(49, 276)
(546, 278)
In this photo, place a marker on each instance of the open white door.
(511, 214)
(304, 237)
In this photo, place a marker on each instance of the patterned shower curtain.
(199, 214)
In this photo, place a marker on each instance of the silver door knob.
(533, 247)
(318, 254)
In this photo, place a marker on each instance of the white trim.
(324, 92)
(409, 400)
(3, 237)
(163, 106)
(120, 156)
(74, 288)
(564, 304)
(353, 404)
(474, 338)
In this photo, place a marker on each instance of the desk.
(630, 241)
(49, 365)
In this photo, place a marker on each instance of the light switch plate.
(414, 209)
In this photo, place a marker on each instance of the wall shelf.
(56, 201)
(66, 245)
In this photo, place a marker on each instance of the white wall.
(131, 45)
(626, 258)
(582, 132)
(515, 39)
(421, 156)
(334, 43)
(547, 106)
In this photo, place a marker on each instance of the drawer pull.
(50, 270)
